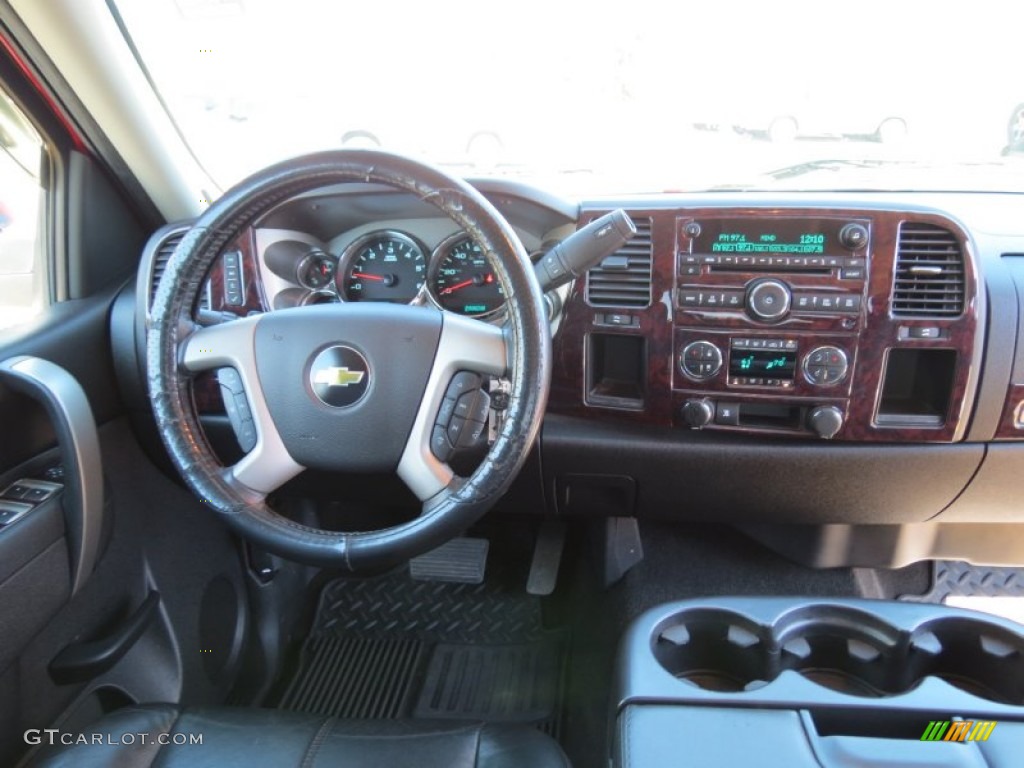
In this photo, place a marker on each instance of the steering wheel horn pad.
(410, 355)
(398, 344)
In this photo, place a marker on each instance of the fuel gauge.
(317, 270)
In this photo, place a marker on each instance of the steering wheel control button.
(768, 300)
(339, 376)
(472, 435)
(700, 360)
(237, 408)
(454, 429)
(444, 413)
(825, 366)
(439, 445)
(462, 382)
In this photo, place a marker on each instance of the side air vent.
(624, 278)
(163, 255)
(929, 273)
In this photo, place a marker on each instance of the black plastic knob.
(825, 421)
(853, 236)
(698, 412)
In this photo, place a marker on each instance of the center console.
(839, 683)
(853, 324)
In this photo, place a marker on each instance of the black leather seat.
(265, 738)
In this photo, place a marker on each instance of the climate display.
(767, 363)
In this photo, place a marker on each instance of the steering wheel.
(353, 387)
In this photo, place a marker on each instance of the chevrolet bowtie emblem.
(338, 377)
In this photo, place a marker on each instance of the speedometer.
(462, 281)
(382, 266)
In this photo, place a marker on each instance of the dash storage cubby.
(847, 677)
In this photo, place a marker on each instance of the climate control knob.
(768, 300)
(825, 366)
(700, 360)
(698, 412)
(825, 421)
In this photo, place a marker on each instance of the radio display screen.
(767, 363)
(767, 236)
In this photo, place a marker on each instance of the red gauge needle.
(364, 276)
(457, 286)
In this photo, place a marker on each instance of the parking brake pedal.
(461, 561)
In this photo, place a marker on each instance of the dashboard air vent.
(624, 278)
(929, 273)
(163, 255)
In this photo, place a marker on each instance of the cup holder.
(715, 650)
(844, 649)
(976, 656)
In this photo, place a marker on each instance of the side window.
(23, 281)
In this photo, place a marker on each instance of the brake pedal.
(461, 561)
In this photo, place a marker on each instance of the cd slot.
(719, 268)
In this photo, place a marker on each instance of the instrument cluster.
(392, 266)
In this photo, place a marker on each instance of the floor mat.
(955, 577)
(391, 647)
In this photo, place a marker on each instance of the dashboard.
(845, 363)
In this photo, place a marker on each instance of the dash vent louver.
(929, 273)
(624, 278)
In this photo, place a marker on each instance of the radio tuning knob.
(825, 421)
(768, 300)
(853, 236)
(698, 412)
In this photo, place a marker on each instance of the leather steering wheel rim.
(176, 352)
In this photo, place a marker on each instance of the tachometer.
(382, 266)
(462, 281)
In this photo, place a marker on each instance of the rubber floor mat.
(391, 647)
(954, 577)
(499, 683)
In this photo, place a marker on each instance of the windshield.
(636, 97)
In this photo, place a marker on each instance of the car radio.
(766, 270)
